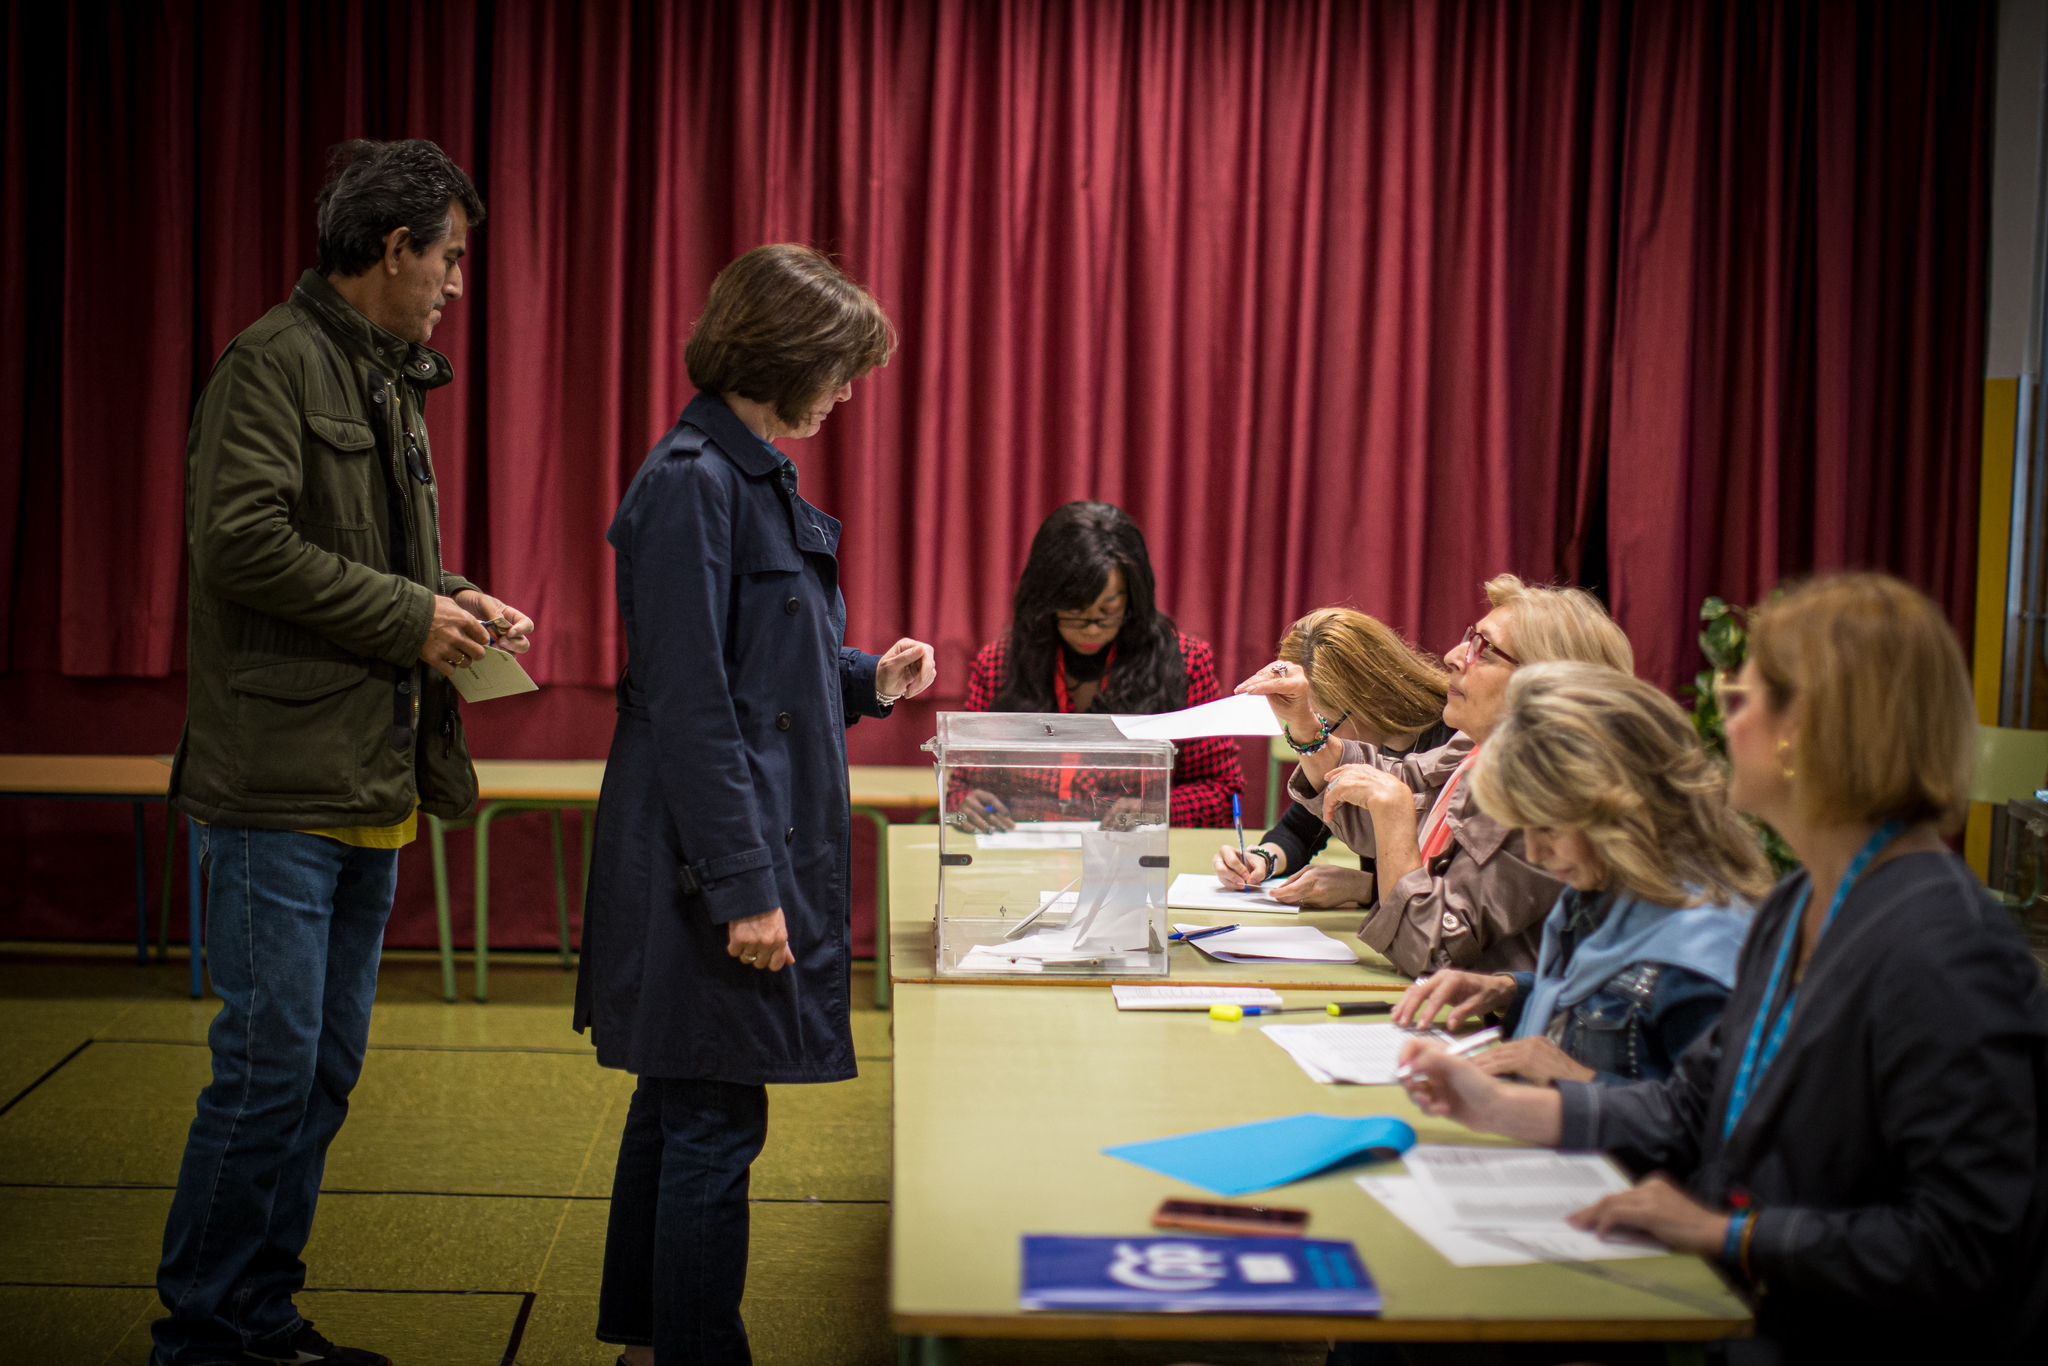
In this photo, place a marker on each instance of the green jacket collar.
(368, 343)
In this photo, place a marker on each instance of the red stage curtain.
(1344, 302)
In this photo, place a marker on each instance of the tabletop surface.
(85, 775)
(1005, 1098)
(913, 896)
(579, 780)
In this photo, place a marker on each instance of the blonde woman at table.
(1391, 695)
(1861, 1139)
(1616, 797)
(1456, 887)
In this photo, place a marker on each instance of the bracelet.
(1315, 746)
(1736, 1242)
(1272, 859)
(1748, 1237)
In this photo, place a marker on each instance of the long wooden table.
(1006, 1096)
(913, 898)
(137, 779)
(509, 786)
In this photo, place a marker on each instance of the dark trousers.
(675, 1254)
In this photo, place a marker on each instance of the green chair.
(2012, 765)
(487, 813)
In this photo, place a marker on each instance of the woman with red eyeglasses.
(1086, 634)
(1455, 888)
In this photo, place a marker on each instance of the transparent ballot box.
(1052, 846)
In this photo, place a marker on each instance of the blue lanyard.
(1761, 1052)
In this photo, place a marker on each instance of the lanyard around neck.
(1760, 1052)
(1063, 698)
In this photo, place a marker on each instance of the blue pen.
(1237, 819)
(1192, 935)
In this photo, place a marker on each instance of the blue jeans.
(294, 930)
(675, 1253)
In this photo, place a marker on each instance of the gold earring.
(1785, 768)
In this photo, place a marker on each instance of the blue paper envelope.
(1256, 1157)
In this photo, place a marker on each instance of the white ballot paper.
(1132, 996)
(496, 675)
(1511, 1188)
(1407, 1201)
(1246, 715)
(1364, 1055)
(1113, 906)
(1036, 835)
(1197, 892)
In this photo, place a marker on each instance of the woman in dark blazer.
(1862, 1139)
(716, 953)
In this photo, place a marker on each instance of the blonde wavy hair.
(1359, 664)
(1546, 623)
(1886, 723)
(1592, 749)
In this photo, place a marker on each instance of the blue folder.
(1189, 1275)
(1256, 1157)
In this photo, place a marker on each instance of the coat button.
(784, 721)
(791, 606)
(789, 835)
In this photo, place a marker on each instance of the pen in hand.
(1465, 1047)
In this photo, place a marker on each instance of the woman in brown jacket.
(1456, 888)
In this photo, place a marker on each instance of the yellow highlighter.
(1232, 1014)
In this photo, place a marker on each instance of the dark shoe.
(308, 1347)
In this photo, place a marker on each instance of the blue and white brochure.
(1184, 1275)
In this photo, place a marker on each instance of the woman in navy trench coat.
(717, 939)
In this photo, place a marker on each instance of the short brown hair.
(1358, 664)
(1885, 727)
(783, 326)
(1546, 623)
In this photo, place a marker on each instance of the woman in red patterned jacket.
(1086, 634)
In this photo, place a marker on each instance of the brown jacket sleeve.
(1480, 906)
(1425, 774)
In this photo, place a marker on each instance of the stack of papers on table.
(1195, 892)
(1130, 997)
(1271, 944)
(1364, 1055)
(1505, 1206)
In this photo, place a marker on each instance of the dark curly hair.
(1069, 566)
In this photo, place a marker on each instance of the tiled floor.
(465, 1199)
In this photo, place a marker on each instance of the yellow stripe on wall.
(1994, 552)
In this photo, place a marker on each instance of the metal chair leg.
(437, 841)
(561, 884)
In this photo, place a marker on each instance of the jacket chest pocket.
(338, 484)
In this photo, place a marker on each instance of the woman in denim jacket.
(1616, 798)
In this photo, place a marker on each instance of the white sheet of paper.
(1285, 943)
(1405, 1200)
(1363, 1055)
(1196, 892)
(1037, 835)
(1235, 715)
(1113, 906)
(1511, 1188)
(1134, 997)
(496, 675)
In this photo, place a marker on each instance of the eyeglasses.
(1081, 623)
(1478, 649)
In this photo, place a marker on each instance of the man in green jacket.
(320, 720)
